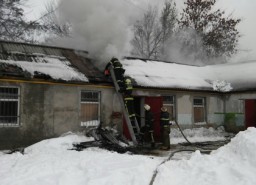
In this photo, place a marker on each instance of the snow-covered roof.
(223, 78)
(55, 68)
(241, 76)
(47, 62)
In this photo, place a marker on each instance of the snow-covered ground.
(199, 135)
(51, 162)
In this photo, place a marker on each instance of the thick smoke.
(104, 28)
(101, 27)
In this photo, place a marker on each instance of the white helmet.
(164, 109)
(147, 107)
(128, 81)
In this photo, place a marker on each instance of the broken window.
(90, 108)
(199, 110)
(169, 103)
(9, 106)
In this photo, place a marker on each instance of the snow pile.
(197, 135)
(57, 144)
(233, 164)
(52, 162)
(57, 68)
(221, 86)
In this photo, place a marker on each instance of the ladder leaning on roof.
(134, 130)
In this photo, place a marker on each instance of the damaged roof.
(168, 75)
(32, 61)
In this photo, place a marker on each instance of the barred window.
(169, 103)
(90, 108)
(199, 110)
(9, 106)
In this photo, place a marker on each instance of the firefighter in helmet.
(165, 128)
(148, 130)
(128, 99)
(118, 70)
(127, 86)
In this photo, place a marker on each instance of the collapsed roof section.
(45, 62)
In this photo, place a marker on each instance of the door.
(250, 113)
(155, 103)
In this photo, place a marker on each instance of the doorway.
(250, 113)
(155, 103)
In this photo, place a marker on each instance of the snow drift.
(233, 164)
(52, 162)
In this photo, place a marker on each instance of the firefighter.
(148, 129)
(165, 128)
(118, 71)
(128, 98)
(129, 105)
(127, 86)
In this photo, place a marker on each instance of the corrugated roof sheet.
(34, 53)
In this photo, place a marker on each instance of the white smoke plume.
(104, 27)
(101, 27)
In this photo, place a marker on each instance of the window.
(9, 106)
(199, 110)
(169, 103)
(90, 108)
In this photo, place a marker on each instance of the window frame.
(7, 124)
(203, 105)
(98, 102)
(173, 104)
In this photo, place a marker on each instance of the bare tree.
(53, 22)
(147, 35)
(168, 21)
(14, 26)
(152, 32)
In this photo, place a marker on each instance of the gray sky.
(244, 9)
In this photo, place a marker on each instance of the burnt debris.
(105, 138)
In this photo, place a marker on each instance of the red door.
(250, 113)
(155, 103)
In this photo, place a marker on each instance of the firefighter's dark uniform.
(165, 128)
(127, 87)
(129, 100)
(148, 129)
(118, 70)
(129, 105)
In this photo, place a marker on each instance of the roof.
(32, 61)
(47, 62)
(221, 78)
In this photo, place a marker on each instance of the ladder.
(134, 130)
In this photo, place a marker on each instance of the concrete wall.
(235, 110)
(48, 111)
(185, 112)
(184, 106)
